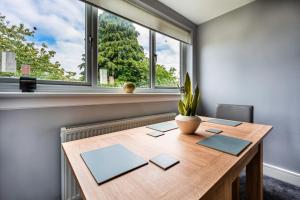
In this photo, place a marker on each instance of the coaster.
(164, 161)
(215, 131)
(155, 134)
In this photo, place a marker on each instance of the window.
(84, 46)
(124, 54)
(167, 69)
(47, 35)
(123, 51)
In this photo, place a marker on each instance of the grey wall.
(30, 144)
(252, 56)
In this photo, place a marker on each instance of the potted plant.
(187, 120)
(129, 87)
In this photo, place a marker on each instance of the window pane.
(123, 52)
(168, 61)
(48, 35)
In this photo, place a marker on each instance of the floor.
(274, 189)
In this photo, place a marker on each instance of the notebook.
(225, 144)
(224, 122)
(163, 127)
(164, 161)
(110, 162)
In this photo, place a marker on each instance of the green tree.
(15, 38)
(82, 68)
(119, 50)
(121, 54)
(165, 77)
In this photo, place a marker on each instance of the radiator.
(69, 189)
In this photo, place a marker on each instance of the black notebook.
(163, 127)
(226, 144)
(110, 162)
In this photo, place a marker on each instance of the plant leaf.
(195, 101)
(187, 91)
(188, 111)
(181, 108)
(188, 104)
(187, 84)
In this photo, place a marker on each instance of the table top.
(200, 168)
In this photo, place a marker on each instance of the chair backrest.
(242, 113)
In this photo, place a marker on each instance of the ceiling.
(200, 11)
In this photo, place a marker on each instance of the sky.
(60, 24)
(167, 49)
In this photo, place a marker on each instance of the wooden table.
(202, 173)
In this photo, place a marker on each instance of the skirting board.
(281, 174)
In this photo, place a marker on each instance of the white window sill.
(18, 100)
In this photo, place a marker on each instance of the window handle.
(155, 58)
(90, 39)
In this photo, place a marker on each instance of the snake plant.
(188, 103)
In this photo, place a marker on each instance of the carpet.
(273, 189)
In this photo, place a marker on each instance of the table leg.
(236, 189)
(254, 176)
(223, 191)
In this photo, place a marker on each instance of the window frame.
(91, 52)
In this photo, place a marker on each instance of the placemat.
(110, 162)
(225, 144)
(163, 126)
(224, 122)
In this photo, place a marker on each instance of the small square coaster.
(155, 134)
(164, 161)
(212, 130)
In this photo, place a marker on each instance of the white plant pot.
(187, 124)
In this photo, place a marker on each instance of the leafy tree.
(121, 54)
(119, 50)
(82, 68)
(14, 38)
(165, 77)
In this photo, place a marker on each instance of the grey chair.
(242, 113)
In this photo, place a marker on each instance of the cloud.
(143, 38)
(167, 49)
(168, 52)
(60, 24)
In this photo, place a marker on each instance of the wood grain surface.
(202, 173)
